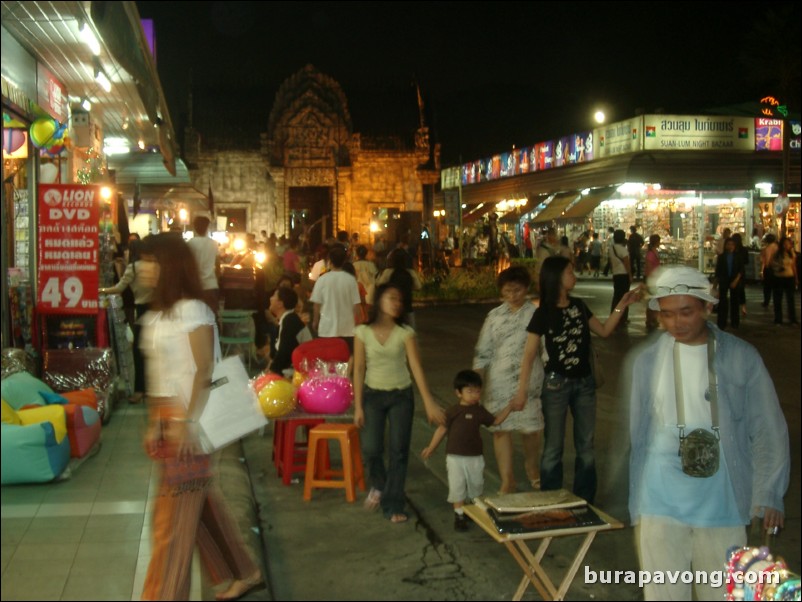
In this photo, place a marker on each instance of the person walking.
(337, 305)
(564, 323)
(404, 278)
(729, 276)
(205, 251)
(138, 254)
(651, 264)
(497, 358)
(785, 280)
(690, 509)
(178, 340)
(366, 271)
(465, 461)
(595, 255)
(743, 253)
(622, 271)
(770, 248)
(385, 352)
(634, 246)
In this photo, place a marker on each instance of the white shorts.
(466, 477)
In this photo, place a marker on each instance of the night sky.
(492, 74)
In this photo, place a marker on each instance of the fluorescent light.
(100, 78)
(88, 38)
(86, 104)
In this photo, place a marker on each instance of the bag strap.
(679, 394)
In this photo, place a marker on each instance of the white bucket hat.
(679, 280)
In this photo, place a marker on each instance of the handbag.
(232, 410)
(699, 450)
(595, 363)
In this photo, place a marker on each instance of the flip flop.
(373, 500)
(398, 517)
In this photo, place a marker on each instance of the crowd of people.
(532, 365)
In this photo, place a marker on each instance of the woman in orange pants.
(178, 344)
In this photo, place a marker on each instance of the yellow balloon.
(277, 398)
(42, 131)
(297, 378)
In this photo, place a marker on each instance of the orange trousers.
(188, 514)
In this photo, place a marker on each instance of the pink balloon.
(260, 381)
(329, 395)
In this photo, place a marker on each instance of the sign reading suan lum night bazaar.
(69, 226)
(646, 132)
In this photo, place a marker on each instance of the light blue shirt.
(754, 439)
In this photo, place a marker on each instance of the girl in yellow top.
(383, 348)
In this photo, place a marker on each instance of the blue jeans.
(396, 406)
(559, 394)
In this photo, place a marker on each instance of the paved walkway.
(87, 538)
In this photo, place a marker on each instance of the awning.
(147, 168)
(156, 196)
(588, 203)
(514, 216)
(471, 214)
(556, 207)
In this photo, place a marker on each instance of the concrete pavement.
(328, 549)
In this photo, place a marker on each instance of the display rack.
(118, 328)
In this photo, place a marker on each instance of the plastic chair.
(318, 475)
(236, 331)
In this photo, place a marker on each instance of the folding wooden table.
(529, 562)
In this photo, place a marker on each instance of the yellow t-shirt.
(386, 365)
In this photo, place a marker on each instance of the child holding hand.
(465, 462)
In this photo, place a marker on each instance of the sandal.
(535, 484)
(373, 500)
(399, 517)
(240, 587)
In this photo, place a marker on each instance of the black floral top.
(566, 334)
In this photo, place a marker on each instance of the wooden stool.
(290, 455)
(318, 475)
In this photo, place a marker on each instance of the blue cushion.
(22, 389)
(51, 398)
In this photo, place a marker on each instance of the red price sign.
(69, 224)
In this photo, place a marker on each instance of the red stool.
(289, 455)
(319, 474)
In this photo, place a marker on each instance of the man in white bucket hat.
(689, 508)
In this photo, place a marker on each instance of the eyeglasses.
(680, 288)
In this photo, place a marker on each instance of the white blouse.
(165, 344)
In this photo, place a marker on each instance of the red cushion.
(83, 428)
(84, 397)
(328, 349)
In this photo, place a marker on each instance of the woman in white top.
(498, 358)
(178, 341)
(138, 255)
(622, 272)
(385, 350)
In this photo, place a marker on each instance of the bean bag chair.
(23, 389)
(34, 447)
(83, 419)
(328, 349)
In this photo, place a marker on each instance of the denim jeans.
(559, 394)
(396, 407)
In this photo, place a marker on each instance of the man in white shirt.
(204, 249)
(336, 300)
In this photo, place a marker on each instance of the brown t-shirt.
(463, 423)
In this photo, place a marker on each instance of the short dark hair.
(516, 274)
(201, 224)
(467, 378)
(337, 256)
(287, 296)
(362, 251)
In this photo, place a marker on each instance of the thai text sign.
(69, 219)
(620, 137)
(698, 132)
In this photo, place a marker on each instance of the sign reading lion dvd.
(69, 222)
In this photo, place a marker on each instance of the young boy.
(464, 460)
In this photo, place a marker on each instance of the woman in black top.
(565, 323)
